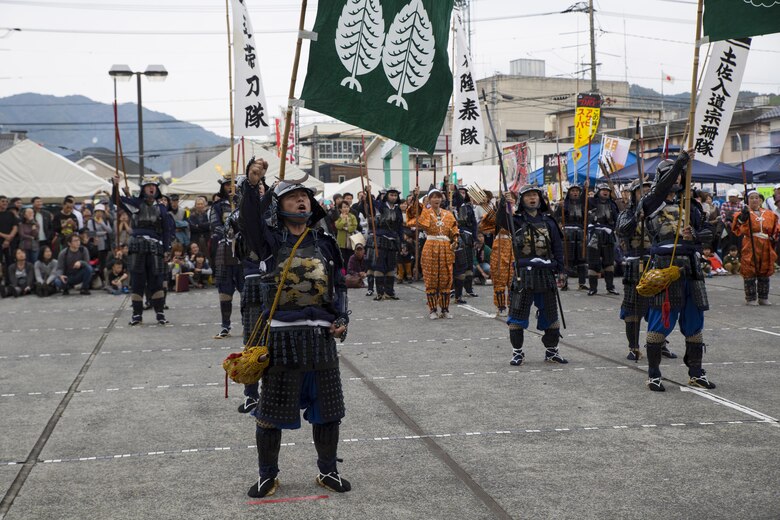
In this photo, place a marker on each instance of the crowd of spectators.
(83, 246)
(54, 250)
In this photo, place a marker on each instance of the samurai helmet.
(528, 188)
(287, 187)
(151, 180)
(638, 184)
(603, 186)
(393, 189)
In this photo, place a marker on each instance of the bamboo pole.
(692, 115)
(291, 93)
(230, 98)
(563, 209)
(417, 212)
(755, 257)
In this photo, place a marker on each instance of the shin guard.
(694, 352)
(269, 441)
(654, 359)
(326, 440)
(751, 291)
(226, 310)
(763, 288)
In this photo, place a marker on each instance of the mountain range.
(69, 124)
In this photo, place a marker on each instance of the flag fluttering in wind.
(382, 65)
(250, 110)
(730, 19)
(468, 127)
(718, 98)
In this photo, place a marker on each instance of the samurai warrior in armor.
(463, 270)
(685, 300)
(635, 243)
(311, 313)
(223, 221)
(570, 216)
(539, 249)
(253, 268)
(389, 232)
(602, 218)
(150, 240)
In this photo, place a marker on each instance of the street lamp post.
(153, 73)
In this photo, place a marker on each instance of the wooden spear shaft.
(291, 93)
(230, 98)
(692, 115)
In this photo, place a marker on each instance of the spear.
(230, 97)
(509, 207)
(417, 212)
(369, 196)
(563, 206)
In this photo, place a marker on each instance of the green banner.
(382, 65)
(730, 19)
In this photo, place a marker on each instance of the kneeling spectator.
(117, 279)
(20, 276)
(73, 267)
(357, 268)
(45, 273)
(731, 261)
(200, 270)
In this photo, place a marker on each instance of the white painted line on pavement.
(765, 331)
(731, 404)
(479, 312)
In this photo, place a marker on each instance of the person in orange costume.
(502, 258)
(757, 268)
(437, 257)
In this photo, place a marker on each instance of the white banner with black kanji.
(250, 110)
(718, 98)
(468, 131)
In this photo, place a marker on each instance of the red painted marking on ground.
(292, 499)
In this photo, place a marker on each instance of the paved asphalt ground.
(101, 421)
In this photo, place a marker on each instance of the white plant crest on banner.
(359, 39)
(250, 110)
(468, 130)
(718, 98)
(409, 52)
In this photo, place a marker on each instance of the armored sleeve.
(626, 223)
(653, 200)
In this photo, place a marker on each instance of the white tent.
(486, 176)
(203, 179)
(27, 170)
(353, 186)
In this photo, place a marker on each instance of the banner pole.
(692, 115)
(585, 189)
(230, 98)
(293, 79)
(417, 213)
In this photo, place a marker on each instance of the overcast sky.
(636, 40)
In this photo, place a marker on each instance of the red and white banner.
(279, 123)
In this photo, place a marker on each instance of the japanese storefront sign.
(718, 98)
(586, 118)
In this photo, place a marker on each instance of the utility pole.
(593, 83)
(315, 153)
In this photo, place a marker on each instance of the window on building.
(774, 139)
(342, 178)
(735, 143)
(608, 123)
(571, 131)
(347, 149)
